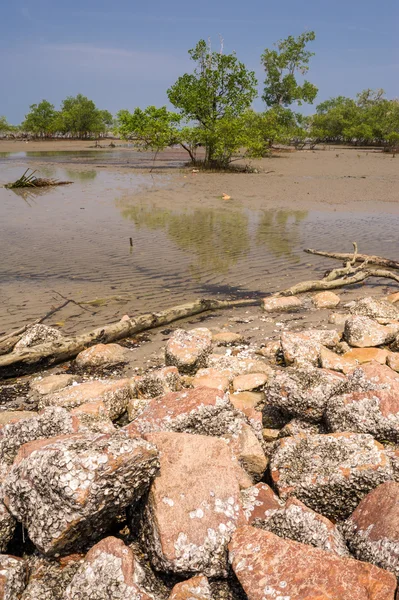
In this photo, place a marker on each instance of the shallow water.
(74, 241)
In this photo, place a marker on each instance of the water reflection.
(218, 238)
(80, 175)
(279, 231)
(30, 194)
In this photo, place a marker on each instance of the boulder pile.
(231, 471)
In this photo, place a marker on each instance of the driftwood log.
(47, 354)
(344, 256)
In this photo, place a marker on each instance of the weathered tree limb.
(50, 353)
(332, 284)
(375, 260)
(23, 361)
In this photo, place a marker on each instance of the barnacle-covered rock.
(203, 411)
(114, 393)
(52, 421)
(194, 505)
(259, 503)
(368, 402)
(158, 382)
(7, 526)
(189, 350)
(68, 490)
(212, 378)
(110, 570)
(48, 579)
(375, 308)
(38, 334)
(302, 392)
(372, 530)
(298, 522)
(196, 588)
(329, 473)
(268, 566)
(282, 304)
(363, 332)
(13, 577)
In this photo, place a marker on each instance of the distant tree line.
(78, 117)
(213, 119)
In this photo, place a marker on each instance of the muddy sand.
(74, 242)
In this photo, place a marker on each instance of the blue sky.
(124, 53)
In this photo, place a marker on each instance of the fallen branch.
(23, 361)
(375, 260)
(29, 180)
(50, 353)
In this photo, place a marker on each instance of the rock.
(298, 426)
(375, 309)
(375, 412)
(7, 527)
(193, 507)
(326, 337)
(367, 403)
(259, 503)
(303, 392)
(135, 407)
(271, 350)
(295, 521)
(268, 566)
(52, 421)
(38, 334)
(338, 318)
(204, 411)
(212, 378)
(247, 400)
(362, 332)
(13, 577)
(336, 362)
(67, 490)
(299, 350)
(270, 435)
(196, 588)
(110, 571)
(393, 361)
(102, 355)
(238, 366)
(287, 304)
(189, 350)
(48, 579)
(13, 416)
(92, 416)
(372, 531)
(114, 393)
(227, 338)
(246, 447)
(158, 382)
(329, 473)
(376, 374)
(393, 298)
(326, 300)
(364, 355)
(51, 384)
(249, 382)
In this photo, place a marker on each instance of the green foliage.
(370, 119)
(212, 101)
(152, 128)
(41, 119)
(282, 66)
(5, 127)
(80, 117)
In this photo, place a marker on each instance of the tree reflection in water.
(219, 238)
(279, 230)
